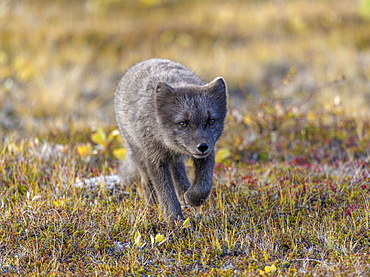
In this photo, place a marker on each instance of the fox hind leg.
(127, 171)
(148, 190)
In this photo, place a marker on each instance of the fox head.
(191, 118)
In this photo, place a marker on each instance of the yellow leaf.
(247, 120)
(99, 137)
(84, 149)
(222, 154)
(270, 268)
(311, 116)
(137, 238)
(159, 238)
(120, 153)
(60, 202)
(186, 223)
(113, 134)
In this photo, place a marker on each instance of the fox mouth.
(200, 156)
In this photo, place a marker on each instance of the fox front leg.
(160, 176)
(197, 194)
(180, 179)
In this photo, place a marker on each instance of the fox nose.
(203, 147)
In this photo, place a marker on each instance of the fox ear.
(217, 88)
(162, 87)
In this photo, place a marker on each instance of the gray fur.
(153, 99)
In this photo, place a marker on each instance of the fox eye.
(211, 121)
(183, 124)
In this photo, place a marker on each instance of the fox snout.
(203, 147)
(201, 150)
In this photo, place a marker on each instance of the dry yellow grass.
(292, 175)
(64, 57)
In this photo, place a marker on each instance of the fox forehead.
(197, 108)
(198, 101)
(193, 104)
(195, 116)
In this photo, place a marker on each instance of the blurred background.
(60, 61)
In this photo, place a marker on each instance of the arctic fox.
(165, 113)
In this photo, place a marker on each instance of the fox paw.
(193, 199)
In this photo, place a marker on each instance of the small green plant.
(104, 143)
(159, 239)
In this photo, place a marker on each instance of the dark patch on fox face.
(192, 117)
